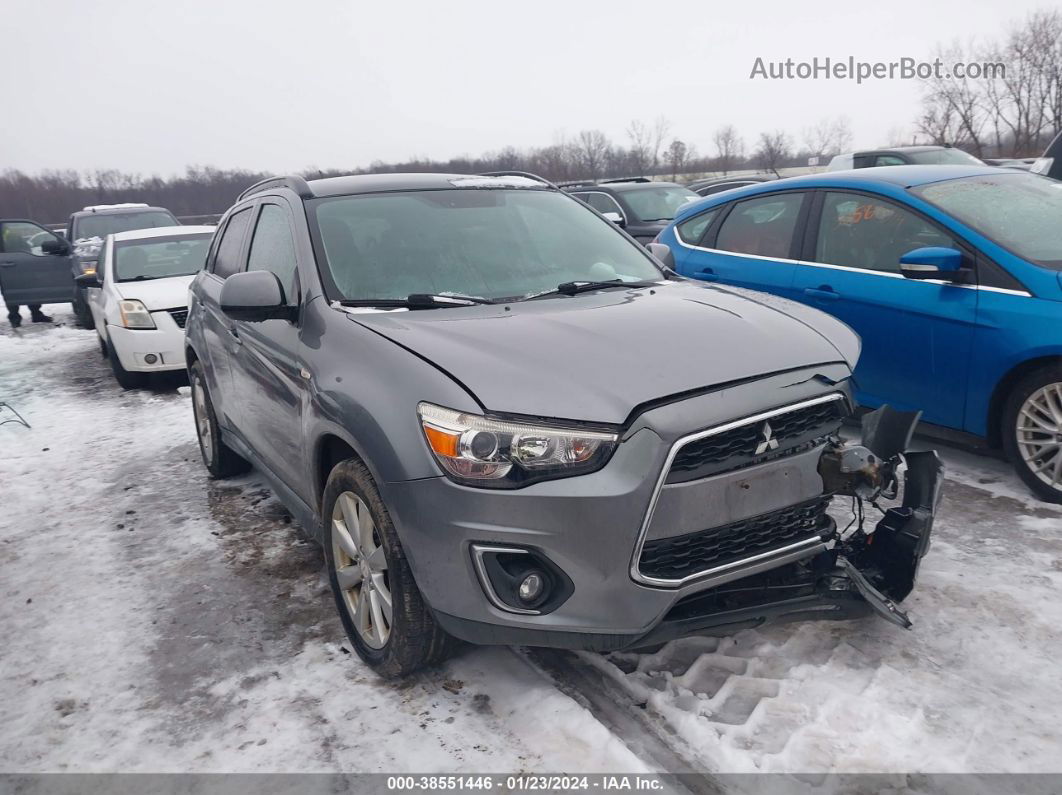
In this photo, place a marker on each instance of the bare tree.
(661, 128)
(828, 137)
(677, 155)
(729, 147)
(774, 151)
(641, 151)
(592, 148)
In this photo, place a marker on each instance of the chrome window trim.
(635, 570)
(849, 268)
(484, 580)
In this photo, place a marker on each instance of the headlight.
(135, 315)
(480, 451)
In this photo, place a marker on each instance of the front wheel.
(1032, 431)
(126, 379)
(382, 610)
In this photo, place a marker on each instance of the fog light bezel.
(494, 564)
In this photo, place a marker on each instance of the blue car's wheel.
(1032, 431)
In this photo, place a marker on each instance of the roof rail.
(294, 181)
(527, 174)
(576, 183)
(624, 179)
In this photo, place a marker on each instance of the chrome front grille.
(752, 443)
(748, 533)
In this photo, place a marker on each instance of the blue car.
(952, 276)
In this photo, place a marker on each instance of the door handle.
(706, 275)
(822, 293)
(7, 264)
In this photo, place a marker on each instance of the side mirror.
(932, 262)
(616, 218)
(56, 247)
(254, 296)
(88, 280)
(662, 252)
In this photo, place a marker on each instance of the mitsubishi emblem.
(769, 442)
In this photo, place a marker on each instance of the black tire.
(1022, 391)
(82, 313)
(103, 346)
(415, 639)
(219, 459)
(126, 379)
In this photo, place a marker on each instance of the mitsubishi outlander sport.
(507, 422)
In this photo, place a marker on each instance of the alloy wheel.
(361, 569)
(1039, 434)
(202, 419)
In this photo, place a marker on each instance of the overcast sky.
(275, 85)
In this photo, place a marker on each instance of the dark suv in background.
(506, 422)
(87, 229)
(638, 205)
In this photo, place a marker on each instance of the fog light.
(531, 587)
(151, 358)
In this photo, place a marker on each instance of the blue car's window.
(862, 232)
(1022, 212)
(762, 226)
(494, 243)
(692, 230)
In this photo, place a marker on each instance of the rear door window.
(692, 229)
(762, 226)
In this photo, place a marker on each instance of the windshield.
(1017, 210)
(944, 157)
(483, 243)
(658, 204)
(101, 225)
(160, 257)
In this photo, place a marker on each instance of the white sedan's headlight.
(135, 315)
(480, 451)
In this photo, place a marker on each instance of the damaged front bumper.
(861, 572)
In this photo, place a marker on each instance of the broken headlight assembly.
(882, 562)
(491, 453)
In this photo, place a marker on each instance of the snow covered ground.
(154, 620)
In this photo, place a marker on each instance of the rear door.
(917, 335)
(27, 274)
(750, 244)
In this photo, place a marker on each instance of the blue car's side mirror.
(932, 262)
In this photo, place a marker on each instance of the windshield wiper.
(141, 278)
(418, 301)
(574, 288)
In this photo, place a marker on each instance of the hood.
(168, 293)
(595, 357)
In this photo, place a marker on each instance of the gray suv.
(506, 422)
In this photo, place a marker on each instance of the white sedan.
(139, 298)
